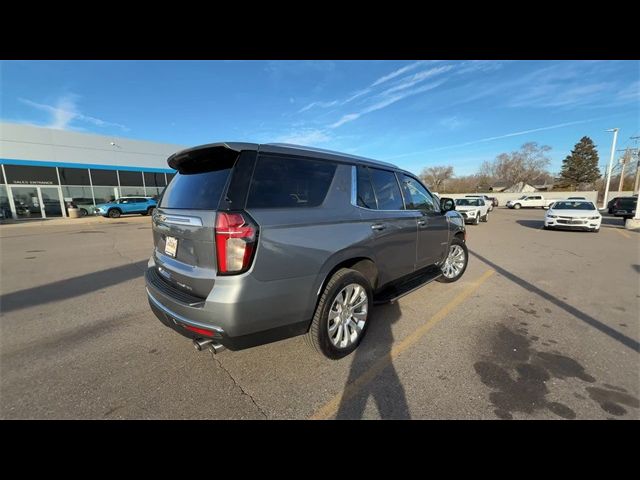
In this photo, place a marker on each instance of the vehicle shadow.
(372, 360)
(579, 314)
(69, 288)
(535, 224)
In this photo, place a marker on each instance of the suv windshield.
(467, 202)
(574, 206)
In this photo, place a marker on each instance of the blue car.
(127, 205)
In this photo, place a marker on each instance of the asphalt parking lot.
(544, 325)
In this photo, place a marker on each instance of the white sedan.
(573, 214)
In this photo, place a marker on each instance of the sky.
(414, 114)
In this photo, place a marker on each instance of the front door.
(433, 228)
(36, 202)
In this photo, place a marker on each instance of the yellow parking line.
(331, 407)
(622, 232)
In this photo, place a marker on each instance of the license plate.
(171, 246)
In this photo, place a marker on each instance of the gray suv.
(257, 243)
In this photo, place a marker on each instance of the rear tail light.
(200, 331)
(236, 239)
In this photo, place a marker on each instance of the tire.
(477, 220)
(318, 337)
(114, 213)
(83, 212)
(486, 217)
(517, 206)
(595, 230)
(149, 211)
(450, 279)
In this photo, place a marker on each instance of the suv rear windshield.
(282, 182)
(199, 184)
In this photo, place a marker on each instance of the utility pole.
(613, 151)
(625, 158)
(637, 154)
(630, 224)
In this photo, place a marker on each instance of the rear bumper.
(267, 312)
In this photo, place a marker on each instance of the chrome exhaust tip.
(200, 344)
(217, 347)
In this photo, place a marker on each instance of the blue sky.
(411, 113)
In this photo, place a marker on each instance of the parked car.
(611, 204)
(126, 205)
(473, 210)
(256, 243)
(487, 199)
(530, 201)
(85, 205)
(625, 207)
(573, 214)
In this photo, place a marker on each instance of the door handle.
(378, 226)
(422, 223)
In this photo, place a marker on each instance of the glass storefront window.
(154, 192)
(128, 191)
(81, 194)
(104, 194)
(5, 207)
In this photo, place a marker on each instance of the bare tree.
(435, 177)
(529, 164)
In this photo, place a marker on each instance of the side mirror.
(447, 204)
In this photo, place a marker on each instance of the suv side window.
(286, 182)
(366, 195)
(386, 189)
(416, 196)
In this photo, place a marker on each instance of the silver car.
(256, 243)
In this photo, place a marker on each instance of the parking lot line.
(622, 232)
(331, 407)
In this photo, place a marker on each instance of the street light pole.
(613, 150)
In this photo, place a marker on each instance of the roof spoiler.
(186, 160)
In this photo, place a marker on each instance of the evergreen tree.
(581, 166)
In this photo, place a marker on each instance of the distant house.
(499, 187)
(520, 187)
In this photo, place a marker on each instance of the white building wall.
(26, 142)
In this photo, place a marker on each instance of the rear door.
(184, 221)
(433, 228)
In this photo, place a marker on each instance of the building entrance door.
(36, 202)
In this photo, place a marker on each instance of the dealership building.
(41, 169)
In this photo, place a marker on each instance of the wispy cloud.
(66, 111)
(397, 73)
(350, 117)
(318, 104)
(632, 92)
(308, 136)
(453, 123)
(404, 83)
(383, 100)
(498, 137)
(557, 95)
(412, 80)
